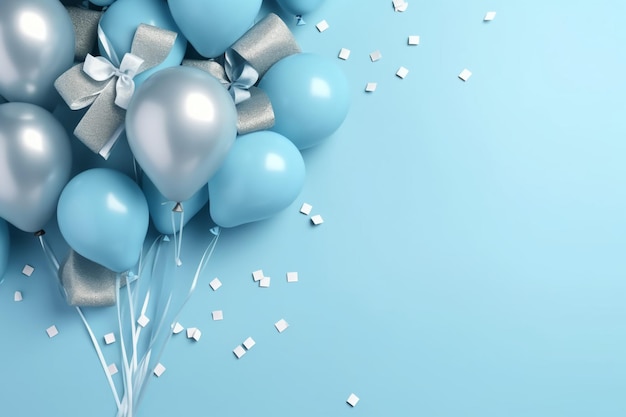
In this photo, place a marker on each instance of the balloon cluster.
(181, 123)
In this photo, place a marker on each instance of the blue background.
(471, 259)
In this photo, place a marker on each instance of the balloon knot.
(178, 208)
(299, 20)
(40, 233)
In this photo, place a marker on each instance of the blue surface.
(471, 259)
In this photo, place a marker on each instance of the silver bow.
(108, 89)
(85, 23)
(245, 62)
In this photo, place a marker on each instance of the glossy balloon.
(101, 2)
(300, 7)
(262, 175)
(180, 125)
(35, 164)
(4, 247)
(120, 21)
(213, 26)
(161, 209)
(36, 46)
(310, 97)
(103, 215)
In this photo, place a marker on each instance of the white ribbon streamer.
(101, 69)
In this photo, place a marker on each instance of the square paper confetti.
(248, 343)
(371, 87)
(489, 16)
(215, 284)
(292, 277)
(402, 72)
(317, 219)
(17, 296)
(196, 335)
(322, 26)
(109, 338)
(112, 369)
(143, 320)
(281, 325)
(52, 331)
(177, 328)
(217, 315)
(375, 56)
(352, 400)
(414, 40)
(239, 351)
(465, 74)
(344, 54)
(159, 369)
(400, 5)
(265, 282)
(257, 275)
(306, 209)
(190, 332)
(28, 270)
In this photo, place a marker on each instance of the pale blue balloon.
(300, 7)
(101, 2)
(262, 175)
(120, 21)
(161, 209)
(103, 215)
(310, 97)
(212, 25)
(4, 247)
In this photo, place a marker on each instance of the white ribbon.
(241, 76)
(101, 69)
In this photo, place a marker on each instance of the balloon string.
(178, 237)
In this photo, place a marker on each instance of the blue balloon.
(101, 2)
(4, 246)
(212, 25)
(310, 97)
(103, 215)
(161, 209)
(262, 174)
(300, 7)
(120, 21)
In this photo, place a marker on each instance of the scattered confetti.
(28, 270)
(306, 209)
(375, 56)
(489, 16)
(215, 284)
(159, 369)
(52, 331)
(402, 72)
(352, 400)
(112, 369)
(281, 325)
(265, 282)
(143, 320)
(190, 332)
(465, 74)
(317, 220)
(400, 5)
(217, 315)
(414, 40)
(292, 277)
(239, 351)
(371, 87)
(177, 328)
(248, 343)
(17, 296)
(109, 338)
(257, 275)
(322, 26)
(344, 54)
(196, 335)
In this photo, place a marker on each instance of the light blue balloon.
(300, 7)
(212, 25)
(310, 97)
(4, 247)
(103, 215)
(101, 2)
(120, 21)
(161, 209)
(262, 175)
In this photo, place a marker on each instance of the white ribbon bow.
(101, 69)
(240, 76)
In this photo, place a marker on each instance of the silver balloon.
(35, 164)
(36, 46)
(180, 125)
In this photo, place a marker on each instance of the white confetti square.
(257, 275)
(402, 72)
(239, 351)
(375, 56)
(112, 369)
(196, 335)
(248, 343)
(177, 328)
(265, 282)
(322, 26)
(465, 74)
(489, 16)
(281, 325)
(109, 338)
(400, 5)
(17, 296)
(344, 54)
(317, 220)
(52, 331)
(143, 320)
(306, 209)
(215, 284)
(352, 400)
(371, 87)
(28, 270)
(292, 277)
(190, 332)
(414, 40)
(217, 315)
(159, 369)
